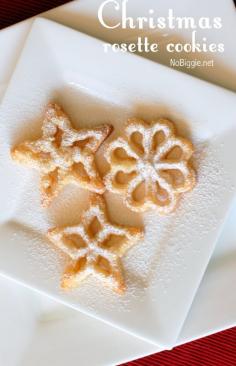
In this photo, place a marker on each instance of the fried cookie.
(150, 167)
(63, 154)
(95, 247)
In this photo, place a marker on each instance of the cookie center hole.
(137, 140)
(103, 266)
(158, 139)
(123, 178)
(139, 192)
(174, 176)
(175, 153)
(113, 241)
(80, 264)
(94, 227)
(121, 155)
(75, 241)
(58, 137)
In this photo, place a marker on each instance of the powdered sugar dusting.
(155, 262)
(168, 239)
(163, 271)
(146, 163)
(152, 265)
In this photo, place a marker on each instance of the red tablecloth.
(216, 350)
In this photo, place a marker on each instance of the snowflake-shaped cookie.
(150, 166)
(95, 247)
(63, 154)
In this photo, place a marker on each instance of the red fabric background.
(216, 350)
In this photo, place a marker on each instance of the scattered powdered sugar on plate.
(40, 251)
(153, 268)
(154, 262)
(163, 271)
(189, 219)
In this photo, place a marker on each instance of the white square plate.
(92, 91)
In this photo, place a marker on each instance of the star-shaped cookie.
(63, 154)
(95, 247)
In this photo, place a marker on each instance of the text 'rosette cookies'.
(95, 247)
(150, 167)
(63, 154)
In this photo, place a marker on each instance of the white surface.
(90, 342)
(206, 315)
(19, 320)
(89, 89)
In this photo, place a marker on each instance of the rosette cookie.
(95, 247)
(150, 167)
(63, 154)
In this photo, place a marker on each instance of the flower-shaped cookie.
(63, 155)
(95, 247)
(150, 167)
